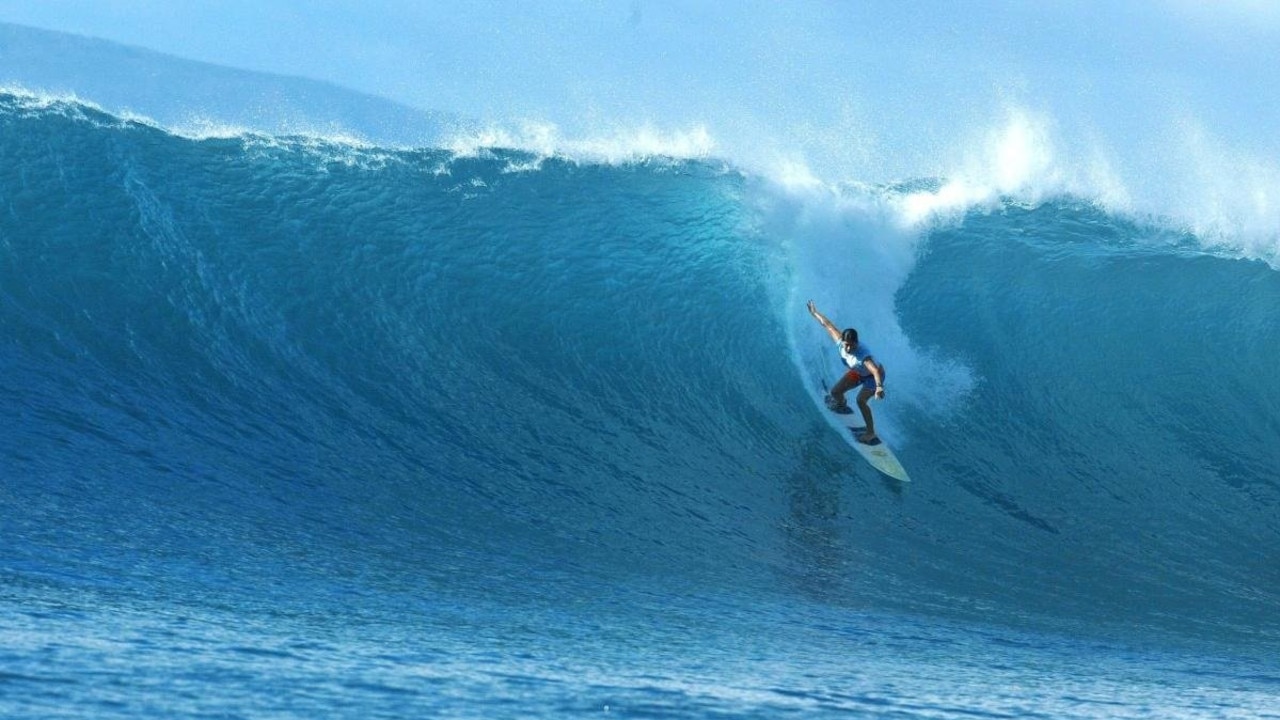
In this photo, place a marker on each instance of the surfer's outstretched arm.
(831, 328)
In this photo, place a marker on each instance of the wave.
(468, 362)
(1196, 187)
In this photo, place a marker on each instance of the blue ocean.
(301, 427)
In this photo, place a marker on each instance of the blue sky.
(539, 56)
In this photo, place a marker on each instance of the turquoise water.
(303, 428)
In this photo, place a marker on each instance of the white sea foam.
(37, 99)
(1182, 178)
(849, 249)
(611, 146)
(1185, 180)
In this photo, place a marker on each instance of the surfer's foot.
(868, 438)
(837, 406)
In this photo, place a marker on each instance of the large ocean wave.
(231, 358)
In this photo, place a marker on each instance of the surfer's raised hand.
(831, 329)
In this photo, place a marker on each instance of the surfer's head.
(849, 337)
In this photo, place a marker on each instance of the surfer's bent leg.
(868, 390)
(850, 380)
(864, 395)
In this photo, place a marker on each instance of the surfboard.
(878, 453)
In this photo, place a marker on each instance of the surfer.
(863, 371)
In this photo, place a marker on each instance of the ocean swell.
(494, 368)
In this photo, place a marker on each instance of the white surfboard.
(877, 453)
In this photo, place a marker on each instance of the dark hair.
(850, 336)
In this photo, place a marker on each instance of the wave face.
(294, 368)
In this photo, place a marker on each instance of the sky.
(490, 56)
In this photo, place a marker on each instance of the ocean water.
(296, 427)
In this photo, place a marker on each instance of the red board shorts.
(853, 377)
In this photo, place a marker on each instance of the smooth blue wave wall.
(251, 357)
